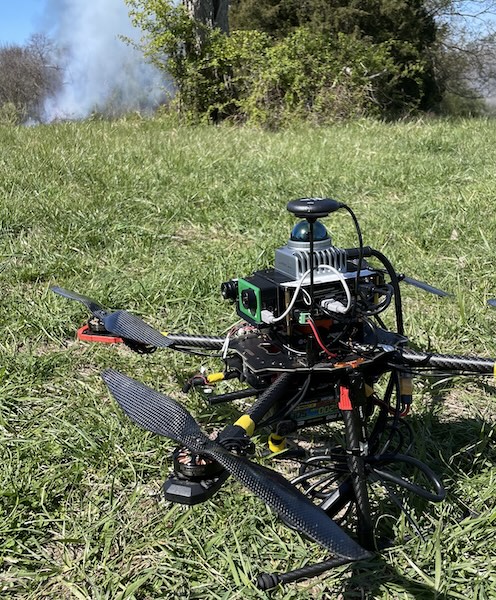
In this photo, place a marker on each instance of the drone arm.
(449, 362)
(271, 395)
(245, 426)
(195, 341)
(230, 396)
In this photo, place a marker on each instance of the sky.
(19, 19)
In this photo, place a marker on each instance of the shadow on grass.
(456, 447)
(366, 583)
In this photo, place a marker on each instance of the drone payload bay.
(311, 350)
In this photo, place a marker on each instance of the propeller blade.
(424, 286)
(121, 322)
(164, 416)
(154, 411)
(131, 327)
(90, 304)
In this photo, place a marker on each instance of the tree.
(465, 56)
(28, 76)
(207, 15)
(406, 25)
(250, 76)
(378, 20)
(433, 48)
(275, 17)
(212, 13)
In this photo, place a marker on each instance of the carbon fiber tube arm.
(183, 340)
(448, 362)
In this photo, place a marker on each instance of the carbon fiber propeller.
(164, 416)
(120, 322)
(427, 287)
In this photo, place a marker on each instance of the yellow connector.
(277, 443)
(247, 423)
(215, 377)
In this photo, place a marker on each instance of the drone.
(313, 352)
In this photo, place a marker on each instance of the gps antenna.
(312, 209)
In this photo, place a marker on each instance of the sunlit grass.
(152, 217)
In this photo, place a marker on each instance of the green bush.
(220, 83)
(249, 76)
(312, 76)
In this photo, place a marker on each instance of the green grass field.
(151, 216)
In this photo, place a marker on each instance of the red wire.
(319, 341)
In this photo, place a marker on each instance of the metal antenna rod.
(312, 300)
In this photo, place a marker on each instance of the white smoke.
(102, 73)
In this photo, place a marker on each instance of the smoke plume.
(101, 72)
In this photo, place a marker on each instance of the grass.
(151, 216)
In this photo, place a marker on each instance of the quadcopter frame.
(306, 367)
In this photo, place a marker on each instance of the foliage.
(308, 76)
(455, 41)
(379, 20)
(435, 48)
(28, 76)
(406, 25)
(275, 17)
(249, 76)
(170, 40)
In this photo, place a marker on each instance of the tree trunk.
(212, 13)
